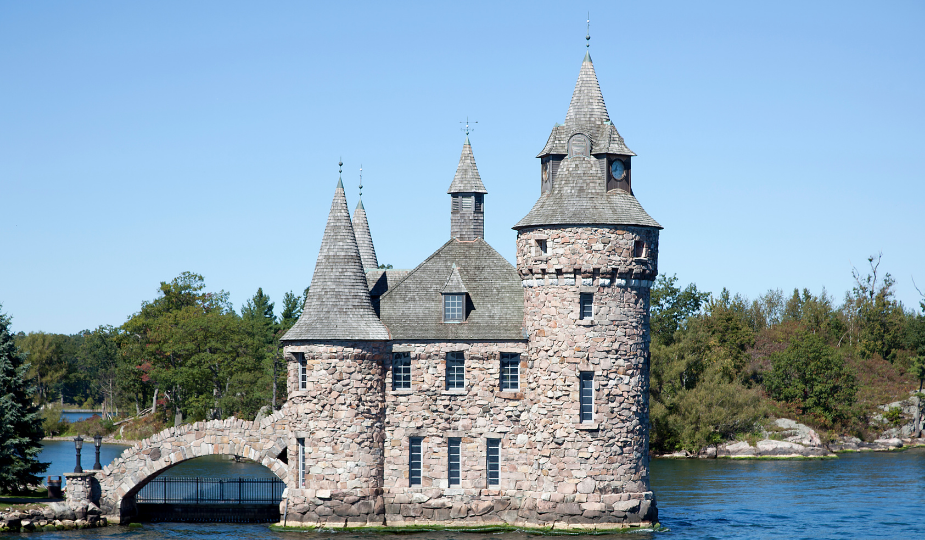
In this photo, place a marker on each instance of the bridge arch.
(264, 442)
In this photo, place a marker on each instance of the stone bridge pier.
(117, 484)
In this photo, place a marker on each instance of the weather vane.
(468, 129)
(588, 36)
(361, 179)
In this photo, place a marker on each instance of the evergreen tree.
(292, 309)
(20, 424)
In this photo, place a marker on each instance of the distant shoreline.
(106, 440)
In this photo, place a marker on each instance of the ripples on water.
(870, 495)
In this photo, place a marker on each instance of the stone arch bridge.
(264, 441)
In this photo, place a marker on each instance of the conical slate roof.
(364, 239)
(467, 179)
(587, 114)
(338, 305)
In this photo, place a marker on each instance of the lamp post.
(78, 444)
(97, 441)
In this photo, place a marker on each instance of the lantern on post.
(97, 441)
(78, 444)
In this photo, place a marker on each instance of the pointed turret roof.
(467, 179)
(587, 114)
(364, 238)
(338, 305)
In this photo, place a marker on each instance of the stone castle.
(471, 392)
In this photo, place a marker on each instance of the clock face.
(617, 170)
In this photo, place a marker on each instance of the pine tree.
(20, 424)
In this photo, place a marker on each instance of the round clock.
(617, 170)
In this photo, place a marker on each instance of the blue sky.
(778, 143)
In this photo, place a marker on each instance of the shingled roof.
(467, 179)
(338, 305)
(413, 308)
(579, 195)
(587, 114)
(364, 238)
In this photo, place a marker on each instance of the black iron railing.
(169, 490)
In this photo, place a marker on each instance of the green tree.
(879, 319)
(813, 376)
(99, 359)
(20, 423)
(292, 309)
(917, 370)
(671, 306)
(48, 367)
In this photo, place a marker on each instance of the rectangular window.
(586, 306)
(586, 396)
(639, 248)
(493, 462)
(455, 371)
(455, 204)
(300, 443)
(303, 370)
(414, 461)
(401, 371)
(510, 371)
(467, 202)
(453, 307)
(541, 247)
(453, 454)
(479, 203)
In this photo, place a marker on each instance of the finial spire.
(468, 129)
(340, 170)
(361, 179)
(588, 36)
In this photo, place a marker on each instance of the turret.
(587, 254)
(467, 203)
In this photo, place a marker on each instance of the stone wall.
(340, 416)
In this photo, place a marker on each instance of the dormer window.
(618, 173)
(453, 307)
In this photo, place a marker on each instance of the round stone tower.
(587, 253)
(336, 405)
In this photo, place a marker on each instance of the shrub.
(52, 423)
(813, 376)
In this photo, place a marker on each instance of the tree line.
(722, 364)
(187, 353)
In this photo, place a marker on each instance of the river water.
(870, 495)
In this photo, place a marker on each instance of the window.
(300, 443)
(303, 370)
(455, 371)
(586, 396)
(493, 462)
(479, 203)
(453, 453)
(467, 202)
(453, 307)
(455, 204)
(414, 462)
(401, 371)
(510, 371)
(639, 248)
(586, 307)
(541, 247)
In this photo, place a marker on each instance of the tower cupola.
(467, 203)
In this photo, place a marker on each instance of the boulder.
(889, 443)
(798, 433)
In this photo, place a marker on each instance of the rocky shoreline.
(795, 440)
(55, 516)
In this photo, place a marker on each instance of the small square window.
(586, 306)
(541, 247)
(639, 248)
(467, 202)
(455, 371)
(453, 307)
(510, 371)
(401, 371)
